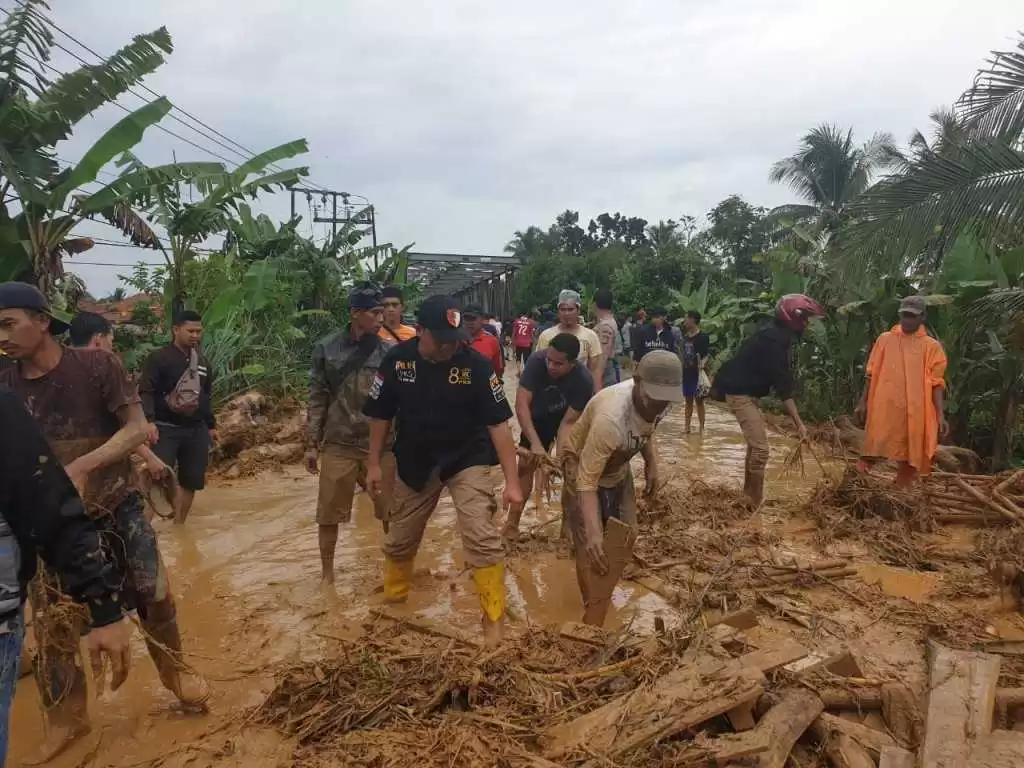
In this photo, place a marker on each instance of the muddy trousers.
(748, 413)
(472, 491)
(618, 502)
(58, 623)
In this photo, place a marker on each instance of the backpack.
(184, 398)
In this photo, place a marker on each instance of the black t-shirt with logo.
(694, 349)
(441, 411)
(553, 397)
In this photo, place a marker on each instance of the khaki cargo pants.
(340, 472)
(472, 491)
(747, 411)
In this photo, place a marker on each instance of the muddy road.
(245, 574)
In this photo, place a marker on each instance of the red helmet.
(794, 310)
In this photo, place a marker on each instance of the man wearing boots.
(90, 413)
(617, 424)
(452, 416)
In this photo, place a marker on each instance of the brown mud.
(245, 574)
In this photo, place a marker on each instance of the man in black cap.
(452, 418)
(91, 415)
(338, 434)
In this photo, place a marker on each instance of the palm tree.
(972, 181)
(35, 114)
(829, 172)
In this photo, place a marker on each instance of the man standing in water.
(393, 331)
(617, 423)
(694, 349)
(903, 398)
(553, 391)
(338, 434)
(452, 418)
(765, 362)
(187, 429)
(607, 331)
(42, 516)
(90, 414)
(569, 322)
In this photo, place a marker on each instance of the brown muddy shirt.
(76, 407)
(608, 434)
(338, 390)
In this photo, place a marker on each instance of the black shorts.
(522, 353)
(188, 449)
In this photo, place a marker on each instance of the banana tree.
(37, 112)
(166, 201)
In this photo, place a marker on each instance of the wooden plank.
(895, 757)
(680, 700)
(844, 751)
(1005, 647)
(745, 619)
(842, 663)
(785, 723)
(721, 750)
(901, 713)
(772, 658)
(618, 549)
(742, 718)
(999, 749)
(961, 701)
(827, 726)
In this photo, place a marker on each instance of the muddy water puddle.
(245, 573)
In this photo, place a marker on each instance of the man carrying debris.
(338, 434)
(177, 389)
(903, 398)
(393, 330)
(42, 516)
(553, 391)
(569, 322)
(618, 423)
(89, 412)
(452, 418)
(765, 362)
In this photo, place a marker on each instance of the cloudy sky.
(464, 121)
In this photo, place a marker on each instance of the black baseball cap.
(441, 316)
(25, 296)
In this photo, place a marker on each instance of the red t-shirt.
(489, 347)
(522, 332)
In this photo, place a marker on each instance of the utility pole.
(366, 216)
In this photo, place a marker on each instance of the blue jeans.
(10, 667)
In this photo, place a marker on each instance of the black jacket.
(47, 518)
(159, 378)
(764, 362)
(650, 338)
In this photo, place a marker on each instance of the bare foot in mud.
(58, 739)
(327, 582)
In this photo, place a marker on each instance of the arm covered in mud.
(564, 430)
(125, 441)
(524, 404)
(43, 508)
(505, 446)
(650, 454)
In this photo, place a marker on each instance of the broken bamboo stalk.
(1010, 481)
(836, 573)
(986, 501)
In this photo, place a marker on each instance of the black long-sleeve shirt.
(764, 362)
(650, 338)
(160, 375)
(40, 505)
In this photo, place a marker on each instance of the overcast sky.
(464, 121)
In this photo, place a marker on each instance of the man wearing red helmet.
(765, 362)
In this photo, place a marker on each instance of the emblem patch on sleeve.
(497, 388)
(375, 387)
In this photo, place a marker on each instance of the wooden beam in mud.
(786, 722)
(676, 702)
(828, 726)
(961, 701)
(772, 658)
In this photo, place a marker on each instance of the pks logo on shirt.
(375, 387)
(497, 389)
(405, 371)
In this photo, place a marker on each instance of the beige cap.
(660, 375)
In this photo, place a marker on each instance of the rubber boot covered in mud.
(490, 584)
(397, 580)
(160, 625)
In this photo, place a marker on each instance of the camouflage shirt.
(337, 393)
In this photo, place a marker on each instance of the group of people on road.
(402, 412)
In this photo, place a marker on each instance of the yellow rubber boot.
(490, 583)
(397, 579)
